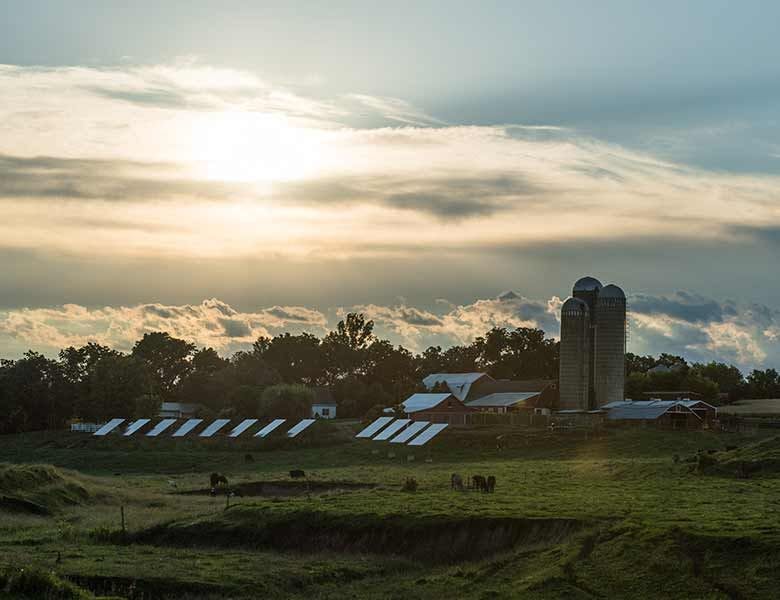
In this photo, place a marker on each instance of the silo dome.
(574, 305)
(587, 284)
(611, 291)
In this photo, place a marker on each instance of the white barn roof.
(418, 402)
(502, 399)
(458, 383)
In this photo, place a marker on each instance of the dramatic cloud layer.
(693, 326)
(192, 181)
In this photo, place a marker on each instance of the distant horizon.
(268, 168)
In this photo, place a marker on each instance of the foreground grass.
(650, 527)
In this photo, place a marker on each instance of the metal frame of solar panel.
(109, 427)
(214, 427)
(269, 428)
(186, 427)
(411, 431)
(299, 428)
(242, 427)
(374, 427)
(427, 435)
(391, 430)
(135, 426)
(160, 427)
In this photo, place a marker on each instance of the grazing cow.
(249, 458)
(297, 474)
(217, 479)
(479, 483)
(490, 484)
(456, 482)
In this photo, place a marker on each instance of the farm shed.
(178, 410)
(436, 408)
(667, 414)
(321, 410)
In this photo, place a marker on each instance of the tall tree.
(169, 360)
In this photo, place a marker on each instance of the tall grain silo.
(575, 353)
(610, 345)
(588, 289)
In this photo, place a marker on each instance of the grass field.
(612, 515)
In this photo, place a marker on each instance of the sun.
(245, 146)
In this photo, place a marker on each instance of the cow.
(297, 474)
(490, 484)
(456, 482)
(479, 483)
(249, 458)
(217, 479)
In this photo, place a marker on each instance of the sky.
(225, 170)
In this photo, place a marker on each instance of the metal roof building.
(502, 401)
(673, 413)
(458, 383)
(436, 408)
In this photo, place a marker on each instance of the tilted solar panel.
(109, 427)
(374, 427)
(408, 433)
(135, 426)
(299, 427)
(160, 427)
(427, 435)
(242, 427)
(214, 427)
(269, 428)
(188, 426)
(392, 429)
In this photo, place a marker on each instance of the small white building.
(178, 410)
(323, 410)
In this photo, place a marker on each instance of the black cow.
(218, 479)
(297, 474)
(479, 483)
(490, 484)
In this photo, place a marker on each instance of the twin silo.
(593, 346)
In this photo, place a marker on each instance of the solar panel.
(242, 427)
(160, 427)
(135, 426)
(109, 427)
(269, 428)
(408, 433)
(427, 435)
(374, 427)
(392, 429)
(188, 426)
(214, 427)
(299, 427)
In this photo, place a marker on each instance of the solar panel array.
(135, 426)
(374, 427)
(427, 435)
(214, 427)
(160, 427)
(392, 429)
(406, 431)
(188, 426)
(269, 428)
(191, 424)
(109, 427)
(299, 427)
(242, 427)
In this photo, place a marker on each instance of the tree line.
(278, 375)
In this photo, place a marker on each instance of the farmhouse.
(481, 392)
(436, 408)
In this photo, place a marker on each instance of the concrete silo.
(588, 289)
(610, 345)
(575, 363)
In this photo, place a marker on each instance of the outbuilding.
(436, 408)
(323, 410)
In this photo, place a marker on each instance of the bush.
(32, 583)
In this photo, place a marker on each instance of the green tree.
(287, 401)
(168, 360)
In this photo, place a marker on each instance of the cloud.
(211, 323)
